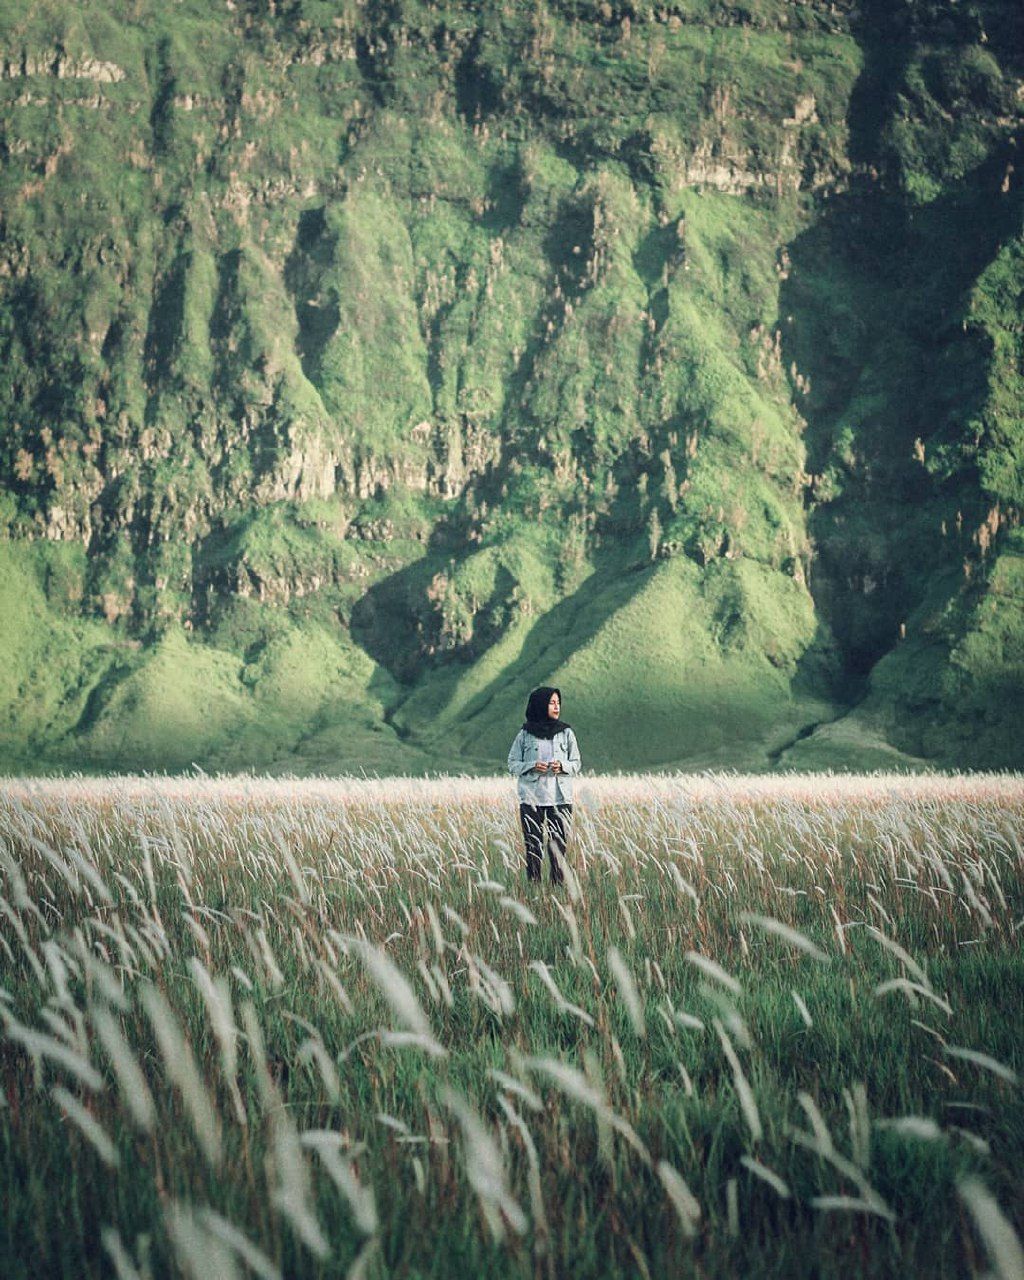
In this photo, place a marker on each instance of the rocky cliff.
(364, 363)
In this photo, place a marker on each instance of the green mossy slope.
(363, 364)
(50, 660)
(676, 672)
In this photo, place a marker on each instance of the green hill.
(364, 364)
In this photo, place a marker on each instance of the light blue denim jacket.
(544, 788)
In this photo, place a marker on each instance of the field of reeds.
(767, 1027)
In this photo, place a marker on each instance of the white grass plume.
(23, 900)
(217, 998)
(313, 1050)
(922, 1127)
(715, 971)
(732, 1207)
(398, 993)
(628, 992)
(996, 1230)
(265, 1087)
(486, 1170)
(544, 973)
(90, 873)
(511, 1085)
(294, 871)
(900, 953)
(39, 1045)
(216, 995)
(58, 970)
(517, 908)
(820, 1142)
(688, 1020)
(683, 1200)
(34, 962)
(130, 1078)
(569, 916)
(801, 1005)
(342, 1172)
(575, 1085)
(910, 990)
(292, 1193)
(973, 1140)
(683, 885)
(255, 1259)
(124, 1267)
(451, 914)
(360, 1268)
(533, 1182)
(572, 882)
(819, 1128)
(748, 1104)
(851, 1204)
(181, 1068)
(768, 924)
(435, 928)
(985, 1061)
(768, 1176)
(73, 1036)
(266, 951)
(89, 1126)
(200, 1254)
(104, 979)
(856, 1100)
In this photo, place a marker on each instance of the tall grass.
(321, 1028)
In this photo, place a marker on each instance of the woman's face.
(554, 707)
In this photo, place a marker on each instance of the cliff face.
(366, 363)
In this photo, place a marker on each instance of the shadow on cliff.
(392, 621)
(875, 315)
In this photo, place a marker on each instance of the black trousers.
(534, 818)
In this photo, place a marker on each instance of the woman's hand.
(541, 766)
(556, 766)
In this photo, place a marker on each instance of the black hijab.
(538, 722)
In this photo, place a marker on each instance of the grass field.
(321, 1028)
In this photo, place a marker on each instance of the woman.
(544, 759)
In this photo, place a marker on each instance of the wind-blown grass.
(768, 1026)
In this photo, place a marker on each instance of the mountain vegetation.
(363, 364)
